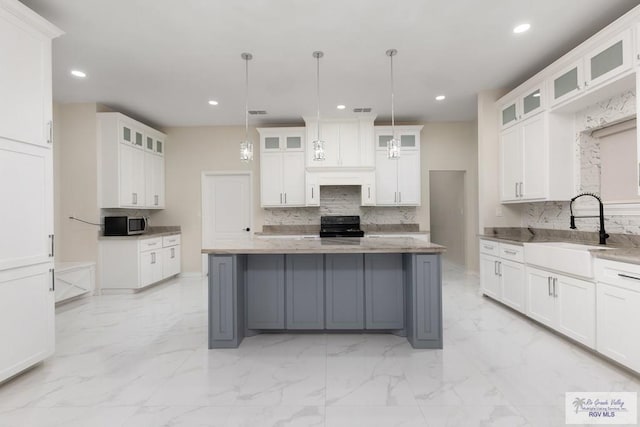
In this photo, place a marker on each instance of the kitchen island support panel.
(233, 280)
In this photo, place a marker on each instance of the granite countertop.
(628, 255)
(149, 234)
(618, 251)
(283, 245)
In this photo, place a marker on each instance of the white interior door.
(226, 208)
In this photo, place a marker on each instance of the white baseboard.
(190, 274)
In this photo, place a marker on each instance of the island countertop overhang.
(301, 245)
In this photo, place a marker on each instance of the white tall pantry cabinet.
(26, 189)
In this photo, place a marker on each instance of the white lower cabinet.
(564, 303)
(171, 255)
(27, 327)
(502, 273)
(132, 263)
(513, 284)
(489, 276)
(618, 311)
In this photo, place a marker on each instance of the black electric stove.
(340, 226)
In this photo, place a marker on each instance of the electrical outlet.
(499, 211)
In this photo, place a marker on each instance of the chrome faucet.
(572, 225)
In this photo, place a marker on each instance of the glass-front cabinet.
(602, 64)
(609, 59)
(509, 114)
(530, 103)
(567, 83)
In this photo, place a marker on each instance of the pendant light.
(318, 144)
(246, 146)
(393, 145)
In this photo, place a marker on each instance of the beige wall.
(490, 212)
(452, 146)
(75, 182)
(191, 151)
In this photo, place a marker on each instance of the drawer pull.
(626, 276)
(507, 251)
(488, 247)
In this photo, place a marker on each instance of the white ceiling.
(162, 60)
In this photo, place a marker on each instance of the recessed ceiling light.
(78, 73)
(213, 102)
(440, 97)
(521, 28)
(341, 107)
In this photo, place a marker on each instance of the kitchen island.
(384, 284)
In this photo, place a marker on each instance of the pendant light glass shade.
(318, 144)
(246, 146)
(393, 145)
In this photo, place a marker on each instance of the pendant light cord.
(246, 98)
(318, 92)
(393, 121)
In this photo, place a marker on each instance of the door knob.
(246, 229)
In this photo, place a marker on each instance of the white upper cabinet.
(398, 180)
(603, 63)
(348, 143)
(536, 160)
(609, 59)
(636, 54)
(523, 107)
(25, 75)
(567, 83)
(154, 180)
(282, 167)
(132, 173)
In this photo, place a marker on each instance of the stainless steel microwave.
(124, 225)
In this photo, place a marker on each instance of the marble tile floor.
(141, 360)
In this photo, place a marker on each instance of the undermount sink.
(565, 257)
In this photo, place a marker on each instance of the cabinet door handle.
(280, 198)
(626, 276)
(395, 197)
(516, 190)
(549, 285)
(153, 257)
(312, 192)
(369, 192)
(399, 196)
(50, 132)
(500, 268)
(52, 251)
(521, 192)
(285, 198)
(510, 252)
(555, 282)
(173, 253)
(156, 198)
(53, 280)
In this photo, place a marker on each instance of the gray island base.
(391, 285)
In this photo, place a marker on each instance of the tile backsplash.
(340, 200)
(555, 215)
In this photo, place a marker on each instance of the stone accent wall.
(340, 200)
(555, 215)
